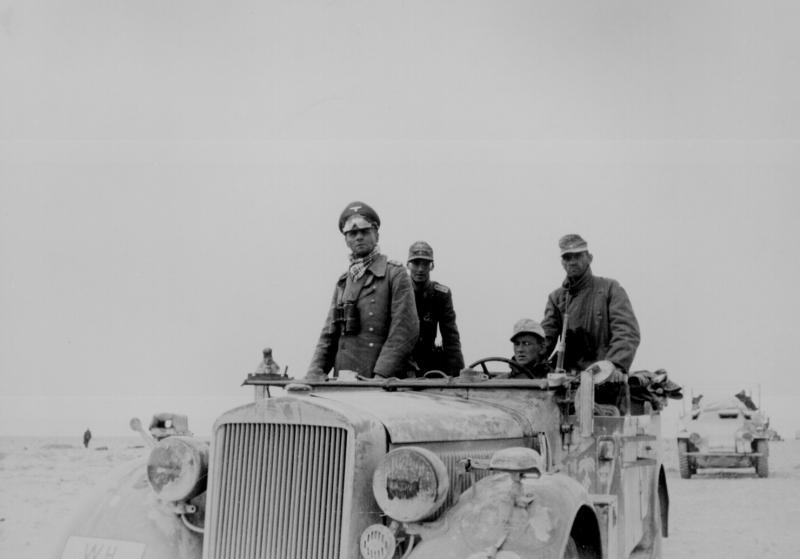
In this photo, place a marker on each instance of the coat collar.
(425, 290)
(580, 283)
(378, 266)
(377, 269)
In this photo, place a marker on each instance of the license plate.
(79, 547)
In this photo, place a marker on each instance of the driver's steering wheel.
(516, 367)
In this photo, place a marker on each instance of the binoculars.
(346, 315)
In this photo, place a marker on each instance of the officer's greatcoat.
(436, 312)
(601, 324)
(387, 328)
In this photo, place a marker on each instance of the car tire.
(571, 551)
(649, 547)
(575, 551)
(683, 460)
(762, 462)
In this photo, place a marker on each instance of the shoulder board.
(396, 263)
(442, 288)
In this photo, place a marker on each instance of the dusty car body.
(724, 434)
(420, 468)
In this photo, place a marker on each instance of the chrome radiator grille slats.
(458, 480)
(278, 492)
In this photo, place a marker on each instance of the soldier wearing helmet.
(601, 325)
(529, 349)
(435, 310)
(372, 324)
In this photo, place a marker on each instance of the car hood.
(426, 417)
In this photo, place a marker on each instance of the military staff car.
(724, 434)
(474, 466)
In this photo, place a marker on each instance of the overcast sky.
(171, 176)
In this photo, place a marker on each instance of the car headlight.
(410, 483)
(177, 468)
(695, 438)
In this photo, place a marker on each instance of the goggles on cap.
(356, 222)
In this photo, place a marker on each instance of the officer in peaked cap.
(529, 349)
(601, 325)
(436, 313)
(358, 215)
(372, 326)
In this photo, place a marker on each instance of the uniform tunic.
(434, 303)
(533, 370)
(388, 326)
(601, 323)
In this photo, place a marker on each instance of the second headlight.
(410, 483)
(177, 468)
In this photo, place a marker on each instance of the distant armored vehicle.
(724, 434)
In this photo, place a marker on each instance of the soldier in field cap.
(601, 325)
(435, 311)
(372, 324)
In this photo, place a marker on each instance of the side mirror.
(136, 425)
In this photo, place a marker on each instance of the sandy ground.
(725, 514)
(43, 479)
(732, 514)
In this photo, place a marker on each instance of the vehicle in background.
(724, 434)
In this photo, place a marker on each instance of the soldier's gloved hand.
(606, 371)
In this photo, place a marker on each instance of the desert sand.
(718, 514)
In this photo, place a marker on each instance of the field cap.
(527, 326)
(420, 251)
(572, 243)
(358, 215)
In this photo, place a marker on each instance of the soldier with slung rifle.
(600, 325)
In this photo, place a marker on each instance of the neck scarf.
(573, 286)
(359, 265)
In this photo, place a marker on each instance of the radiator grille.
(459, 481)
(277, 492)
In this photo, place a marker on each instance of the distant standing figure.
(435, 311)
(87, 436)
(746, 400)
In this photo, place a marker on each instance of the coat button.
(372, 329)
(371, 313)
(371, 344)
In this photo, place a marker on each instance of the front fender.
(535, 523)
(123, 518)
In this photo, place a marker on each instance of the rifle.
(567, 403)
(561, 345)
